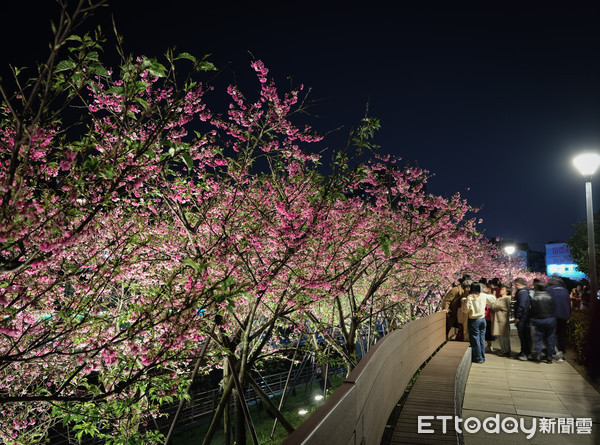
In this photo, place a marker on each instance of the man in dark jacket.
(543, 320)
(522, 305)
(562, 308)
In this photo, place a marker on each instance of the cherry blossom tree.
(97, 325)
(397, 237)
(143, 232)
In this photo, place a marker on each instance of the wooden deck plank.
(432, 394)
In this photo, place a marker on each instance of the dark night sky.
(494, 98)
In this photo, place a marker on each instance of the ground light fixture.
(318, 398)
(303, 412)
(587, 164)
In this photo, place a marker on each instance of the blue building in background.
(559, 262)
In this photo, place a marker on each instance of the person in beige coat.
(451, 304)
(501, 324)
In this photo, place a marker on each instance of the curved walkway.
(531, 393)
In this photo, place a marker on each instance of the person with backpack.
(543, 319)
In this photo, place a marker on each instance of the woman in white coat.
(473, 306)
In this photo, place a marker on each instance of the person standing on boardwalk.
(562, 307)
(489, 316)
(452, 300)
(473, 306)
(522, 305)
(576, 293)
(543, 320)
(501, 325)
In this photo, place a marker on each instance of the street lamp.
(587, 164)
(510, 249)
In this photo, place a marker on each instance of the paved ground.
(547, 394)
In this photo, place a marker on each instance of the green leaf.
(90, 163)
(75, 38)
(385, 242)
(188, 160)
(115, 90)
(206, 66)
(100, 71)
(92, 56)
(142, 102)
(191, 263)
(227, 283)
(154, 68)
(140, 86)
(108, 173)
(230, 305)
(65, 65)
(185, 56)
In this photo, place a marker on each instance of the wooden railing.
(358, 410)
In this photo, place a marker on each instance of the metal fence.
(202, 405)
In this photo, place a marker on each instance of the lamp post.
(587, 164)
(509, 249)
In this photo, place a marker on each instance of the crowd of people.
(480, 312)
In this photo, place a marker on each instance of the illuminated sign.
(559, 262)
(558, 254)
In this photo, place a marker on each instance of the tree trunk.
(227, 413)
(227, 424)
(189, 387)
(227, 387)
(270, 407)
(239, 419)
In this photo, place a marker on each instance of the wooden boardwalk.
(531, 392)
(434, 394)
(504, 387)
